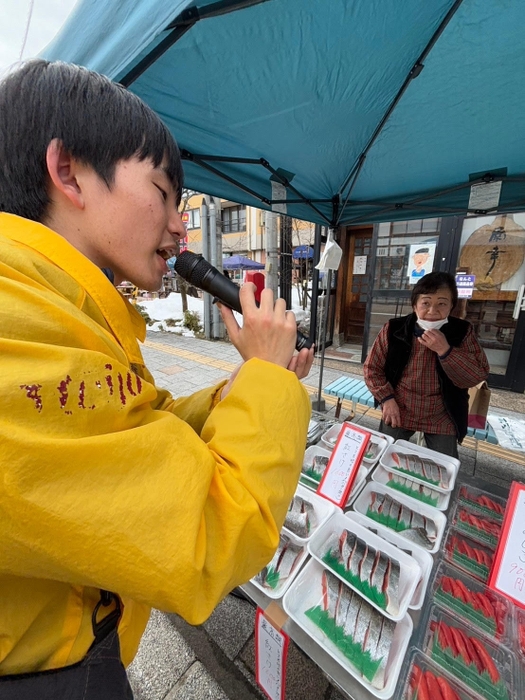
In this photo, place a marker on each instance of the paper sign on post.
(271, 649)
(508, 571)
(344, 463)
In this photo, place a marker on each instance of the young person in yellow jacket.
(114, 497)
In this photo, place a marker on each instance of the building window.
(192, 218)
(234, 219)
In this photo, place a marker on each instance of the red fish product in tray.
(468, 555)
(482, 502)
(476, 662)
(476, 604)
(427, 681)
(480, 527)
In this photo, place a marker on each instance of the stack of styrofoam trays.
(424, 494)
(383, 574)
(369, 646)
(449, 466)
(423, 558)
(417, 522)
(306, 514)
(275, 578)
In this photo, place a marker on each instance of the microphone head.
(192, 268)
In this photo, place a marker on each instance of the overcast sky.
(47, 18)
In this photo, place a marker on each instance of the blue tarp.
(393, 108)
(240, 262)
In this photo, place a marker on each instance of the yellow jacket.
(105, 480)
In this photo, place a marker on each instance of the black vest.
(400, 340)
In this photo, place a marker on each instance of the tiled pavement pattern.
(215, 661)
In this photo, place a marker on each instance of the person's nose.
(176, 225)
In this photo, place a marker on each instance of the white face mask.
(431, 325)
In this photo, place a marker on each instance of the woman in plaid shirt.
(421, 366)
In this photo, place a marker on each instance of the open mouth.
(166, 253)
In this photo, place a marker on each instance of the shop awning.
(240, 262)
(349, 111)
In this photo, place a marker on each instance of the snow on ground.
(170, 308)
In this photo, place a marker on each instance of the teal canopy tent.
(346, 111)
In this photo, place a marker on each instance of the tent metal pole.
(319, 404)
(414, 72)
(180, 25)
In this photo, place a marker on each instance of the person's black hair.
(422, 250)
(98, 122)
(429, 284)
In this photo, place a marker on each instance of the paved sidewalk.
(215, 661)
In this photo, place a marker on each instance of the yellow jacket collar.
(65, 256)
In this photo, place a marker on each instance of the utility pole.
(285, 261)
(272, 275)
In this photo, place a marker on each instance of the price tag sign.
(344, 463)
(508, 571)
(271, 649)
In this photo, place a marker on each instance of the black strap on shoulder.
(102, 628)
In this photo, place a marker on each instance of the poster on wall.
(420, 261)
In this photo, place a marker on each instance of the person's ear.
(63, 172)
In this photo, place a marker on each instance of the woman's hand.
(435, 340)
(391, 413)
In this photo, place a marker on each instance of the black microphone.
(197, 271)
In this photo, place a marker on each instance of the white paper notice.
(271, 647)
(508, 576)
(344, 464)
(360, 265)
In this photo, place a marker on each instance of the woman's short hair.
(98, 122)
(429, 284)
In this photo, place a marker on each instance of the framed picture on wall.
(420, 261)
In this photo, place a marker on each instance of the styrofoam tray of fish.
(414, 521)
(315, 462)
(474, 603)
(425, 679)
(404, 484)
(306, 514)
(423, 558)
(373, 567)
(275, 578)
(435, 471)
(376, 446)
(329, 437)
(369, 645)
(467, 554)
(477, 662)
(482, 502)
(481, 528)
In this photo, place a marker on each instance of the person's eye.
(162, 191)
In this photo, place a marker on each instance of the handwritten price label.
(344, 463)
(508, 572)
(271, 649)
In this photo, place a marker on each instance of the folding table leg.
(338, 407)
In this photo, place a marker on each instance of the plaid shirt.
(418, 394)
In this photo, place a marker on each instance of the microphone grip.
(227, 292)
